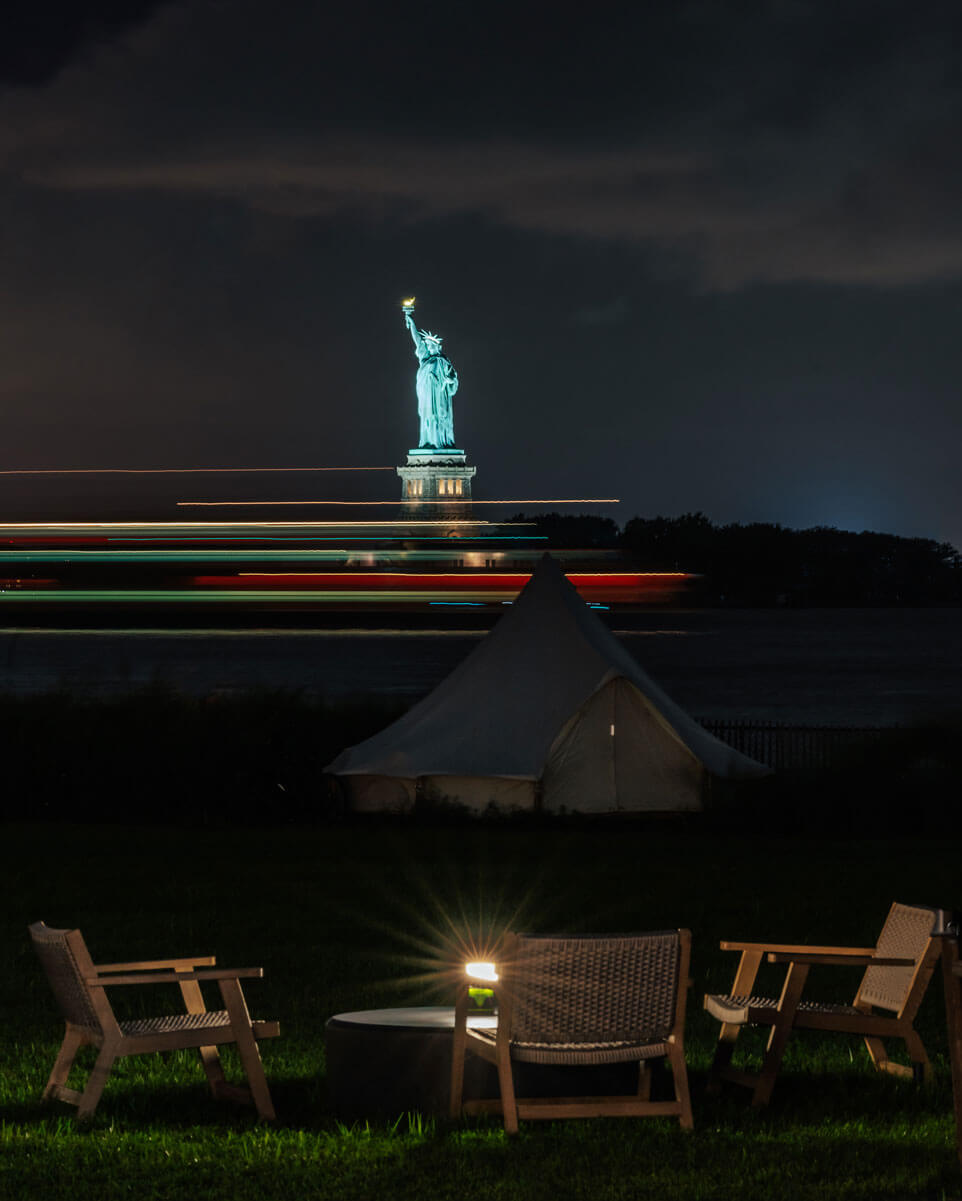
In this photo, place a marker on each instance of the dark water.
(876, 666)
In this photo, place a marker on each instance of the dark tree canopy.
(769, 564)
(765, 564)
(582, 530)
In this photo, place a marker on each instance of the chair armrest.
(846, 959)
(801, 948)
(221, 973)
(153, 965)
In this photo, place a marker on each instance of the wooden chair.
(952, 980)
(897, 972)
(595, 999)
(80, 988)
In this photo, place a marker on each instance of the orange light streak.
(172, 470)
(232, 525)
(352, 504)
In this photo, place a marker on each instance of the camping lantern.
(486, 972)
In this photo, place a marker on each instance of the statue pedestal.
(436, 483)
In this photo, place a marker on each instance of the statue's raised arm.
(415, 332)
(437, 382)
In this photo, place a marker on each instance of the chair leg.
(791, 994)
(742, 986)
(644, 1080)
(95, 1083)
(876, 1052)
(723, 1056)
(209, 1056)
(73, 1040)
(210, 1059)
(250, 1056)
(458, 1051)
(921, 1067)
(765, 1083)
(509, 1102)
(679, 1074)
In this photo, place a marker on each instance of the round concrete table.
(385, 1062)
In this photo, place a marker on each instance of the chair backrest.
(907, 934)
(593, 988)
(66, 961)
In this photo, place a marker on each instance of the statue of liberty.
(437, 382)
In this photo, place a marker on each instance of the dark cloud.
(893, 221)
(615, 312)
(804, 145)
(38, 38)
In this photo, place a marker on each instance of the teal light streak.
(165, 556)
(194, 556)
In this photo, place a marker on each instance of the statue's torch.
(407, 304)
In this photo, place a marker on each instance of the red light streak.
(500, 578)
(592, 585)
(206, 526)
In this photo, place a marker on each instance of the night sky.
(697, 255)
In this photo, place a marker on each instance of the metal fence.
(786, 747)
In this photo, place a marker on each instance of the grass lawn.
(359, 916)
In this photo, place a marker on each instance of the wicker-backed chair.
(593, 999)
(80, 988)
(897, 972)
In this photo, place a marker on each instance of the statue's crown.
(429, 337)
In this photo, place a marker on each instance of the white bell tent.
(551, 711)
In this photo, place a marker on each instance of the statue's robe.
(437, 382)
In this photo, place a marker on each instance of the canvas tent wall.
(549, 709)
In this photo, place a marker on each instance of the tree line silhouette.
(763, 564)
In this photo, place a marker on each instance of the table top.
(426, 1018)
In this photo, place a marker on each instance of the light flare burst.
(442, 918)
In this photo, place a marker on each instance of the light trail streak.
(441, 500)
(464, 586)
(96, 596)
(614, 577)
(123, 555)
(232, 632)
(207, 526)
(175, 470)
(487, 538)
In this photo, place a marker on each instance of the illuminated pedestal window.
(436, 483)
